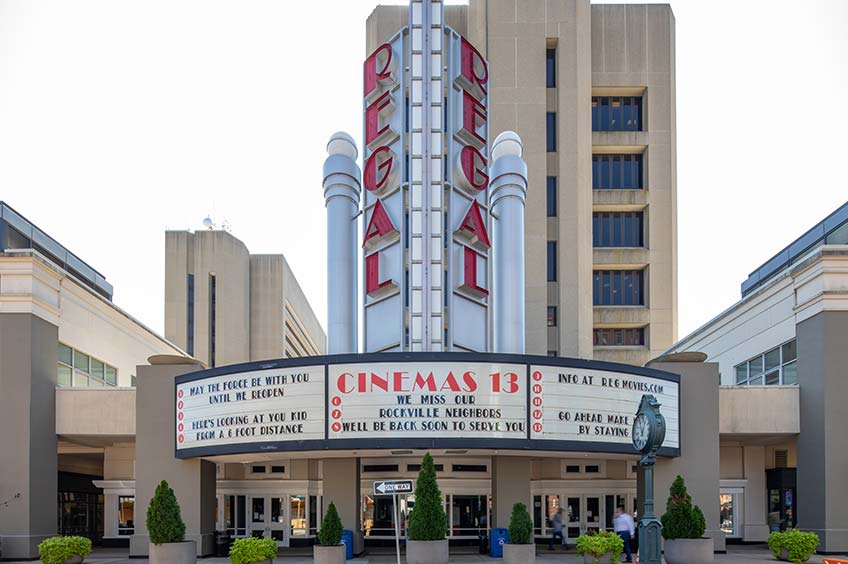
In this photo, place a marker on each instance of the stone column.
(341, 486)
(822, 503)
(29, 460)
(699, 434)
(755, 528)
(510, 485)
(193, 480)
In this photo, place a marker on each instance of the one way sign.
(392, 487)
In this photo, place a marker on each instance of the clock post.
(648, 435)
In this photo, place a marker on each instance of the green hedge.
(164, 522)
(682, 520)
(428, 520)
(252, 549)
(330, 533)
(56, 550)
(598, 544)
(520, 525)
(799, 545)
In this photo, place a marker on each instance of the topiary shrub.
(164, 522)
(520, 525)
(682, 520)
(428, 521)
(252, 549)
(56, 550)
(598, 544)
(331, 527)
(799, 545)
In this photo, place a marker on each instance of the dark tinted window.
(550, 129)
(617, 172)
(619, 337)
(552, 261)
(616, 113)
(550, 68)
(380, 468)
(617, 229)
(552, 196)
(618, 287)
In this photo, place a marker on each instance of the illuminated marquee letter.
(373, 287)
(375, 114)
(383, 59)
(473, 229)
(473, 118)
(380, 167)
(473, 72)
(472, 168)
(380, 227)
(470, 268)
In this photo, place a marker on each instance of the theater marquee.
(418, 400)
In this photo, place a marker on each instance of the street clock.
(648, 434)
(648, 431)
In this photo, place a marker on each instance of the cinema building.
(501, 331)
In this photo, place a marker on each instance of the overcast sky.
(120, 119)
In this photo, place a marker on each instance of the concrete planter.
(784, 555)
(589, 558)
(75, 559)
(519, 553)
(688, 551)
(329, 554)
(174, 553)
(427, 552)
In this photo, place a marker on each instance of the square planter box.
(329, 554)
(174, 553)
(519, 553)
(427, 552)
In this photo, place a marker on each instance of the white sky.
(120, 119)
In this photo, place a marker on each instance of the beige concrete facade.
(601, 50)
(259, 312)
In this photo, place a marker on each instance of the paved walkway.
(754, 554)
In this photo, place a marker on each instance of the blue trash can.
(496, 542)
(347, 540)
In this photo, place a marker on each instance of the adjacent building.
(591, 91)
(781, 352)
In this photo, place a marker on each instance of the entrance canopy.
(418, 400)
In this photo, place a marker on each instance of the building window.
(618, 288)
(190, 314)
(258, 469)
(213, 298)
(126, 515)
(297, 513)
(778, 366)
(550, 68)
(552, 316)
(550, 129)
(616, 113)
(619, 337)
(617, 171)
(552, 261)
(80, 370)
(552, 196)
(617, 229)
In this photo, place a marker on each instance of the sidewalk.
(756, 554)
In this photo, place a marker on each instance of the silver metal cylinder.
(342, 181)
(507, 194)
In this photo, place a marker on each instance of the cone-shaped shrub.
(164, 523)
(520, 525)
(331, 527)
(682, 520)
(428, 521)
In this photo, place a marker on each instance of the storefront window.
(235, 515)
(468, 515)
(314, 511)
(298, 515)
(126, 515)
(727, 517)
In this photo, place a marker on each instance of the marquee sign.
(418, 400)
(425, 172)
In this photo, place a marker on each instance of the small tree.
(428, 521)
(164, 522)
(331, 527)
(520, 525)
(682, 520)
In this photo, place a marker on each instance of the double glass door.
(267, 517)
(581, 514)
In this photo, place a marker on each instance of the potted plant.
(683, 526)
(793, 545)
(520, 549)
(329, 549)
(64, 550)
(600, 548)
(252, 549)
(428, 522)
(167, 530)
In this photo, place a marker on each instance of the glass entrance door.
(267, 518)
(583, 514)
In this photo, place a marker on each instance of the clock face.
(641, 431)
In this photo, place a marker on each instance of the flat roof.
(797, 249)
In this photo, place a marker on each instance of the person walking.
(625, 528)
(556, 525)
